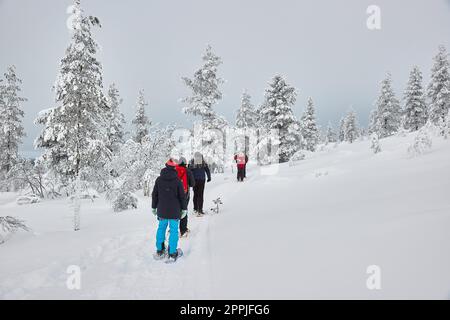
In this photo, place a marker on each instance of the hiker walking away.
(241, 162)
(169, 205)
(200, 170)
(188, 180)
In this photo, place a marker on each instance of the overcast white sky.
(323, 47)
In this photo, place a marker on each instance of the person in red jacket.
(241, 161)
(187, 178)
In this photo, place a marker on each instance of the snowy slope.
(308, 231)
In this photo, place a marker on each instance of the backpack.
(182, 175)
(240, 159)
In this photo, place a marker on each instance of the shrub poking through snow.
(297, 157)
(27, 199)
(375, 143)
(422, 142)
(401, 132)
(9, 225)
(319, 174)
(90, 194)
(124, 201)
(216, 202)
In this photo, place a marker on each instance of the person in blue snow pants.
(173, 235)
(169, 205)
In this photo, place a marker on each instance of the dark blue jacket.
(200, 171)
(168, 195)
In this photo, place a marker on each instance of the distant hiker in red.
(188, 180)
(241, 161)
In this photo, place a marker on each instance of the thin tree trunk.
(76, 205)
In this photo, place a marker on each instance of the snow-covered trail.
(312, 231)
(113, 250)
(114, 253)
(308, 231)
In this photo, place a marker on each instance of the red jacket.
(182, 174)
(241, 161)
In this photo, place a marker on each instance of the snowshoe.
(184, 234)
(160, 254)
(200, 213)
(172, 258)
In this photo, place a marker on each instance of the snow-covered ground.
(308, 231)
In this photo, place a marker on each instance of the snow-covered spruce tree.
(141, 123)
(342, 130)
(2, 104)
(388, 109)
(444, 126)
(375, 143)
(205, 93)
(246, 121)
(362, 132)
(351, 132)
(330, 135)
(439, 87)
(73, 137)
(415, 108)
(373, 122)
(4, 186)
(11, 114)
(246, 116)
(447, 126)
(115, 129)
(204, 86)
(309, 130)
(276, 114)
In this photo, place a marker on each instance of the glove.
(154, 211)
(183, 213)
(209, 179)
